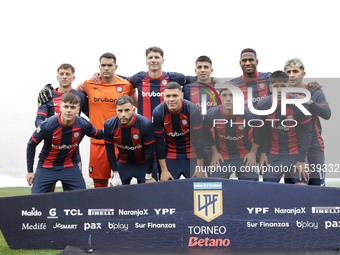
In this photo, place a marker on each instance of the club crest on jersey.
(290, 117)
(261, 85)
(208, 200)
(76, 135)
(135, 136)
(240, 127)
(164, 82)
(184, 122)
(119, 89)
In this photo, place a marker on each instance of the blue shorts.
(178, 167)
(236, 166)
(280, 165)
(316, 161)
(127, 171)
(70, 177)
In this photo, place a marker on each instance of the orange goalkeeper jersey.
(102, 100)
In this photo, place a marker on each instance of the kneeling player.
(134, 136)
(58, 160)
(288, 136)
(233, 139)
(180, 123)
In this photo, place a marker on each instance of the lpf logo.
(208, 202)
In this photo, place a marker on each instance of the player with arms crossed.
(288, 136)
(102, 98)
(58, 159)
(180, 122)
(318, 106)
(233, 139)
(134, 136)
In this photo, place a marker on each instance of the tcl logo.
(72, 212)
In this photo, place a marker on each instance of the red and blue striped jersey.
(260, 86)
(319, 108)
(151, 91)
(52, 107)
(135, 142)
(60, 142)
(182, 130)
(284, 138)
(233, 134)
(194, 91)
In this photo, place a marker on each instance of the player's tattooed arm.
(45, 94)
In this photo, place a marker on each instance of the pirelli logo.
(208, 201)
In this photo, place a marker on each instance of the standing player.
(134, 136)
(102, 106)
(102, 98)
(288, 136)
(203, 94)
(180, 123)
(58, 159)
(318, 106)
(65, 78)
(251, 78)
(233, 139)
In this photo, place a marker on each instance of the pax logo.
(92, 225)
(258, 210)
(163, 211)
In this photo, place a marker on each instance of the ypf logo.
(208, 203)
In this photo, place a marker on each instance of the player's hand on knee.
(45, 94)
(148, 178)
(165, 176)
(115, 180)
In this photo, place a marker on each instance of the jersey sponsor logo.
(231, 138)
(36, 226)
(104, 100)
(119, 89)
(34, 212)
(65, 226)
(152, 94)
(208, 200)
(135, 136)
(64, 146)
(176, 134)
(103, 212)
(207, 104)
(131, 148)
(118, 226)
